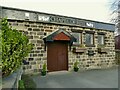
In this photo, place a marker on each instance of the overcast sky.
(98, 10)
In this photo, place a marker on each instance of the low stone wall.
(11, 82)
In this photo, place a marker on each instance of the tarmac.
(103, 78)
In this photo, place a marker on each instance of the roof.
(19, 14)
(50, 37)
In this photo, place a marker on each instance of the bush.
(15, 47)
(76, 68)
(117, 57)
(44, 70)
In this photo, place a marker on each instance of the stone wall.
(11, 82)
(37, 30)
(98, 60)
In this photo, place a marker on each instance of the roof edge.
(5, 7)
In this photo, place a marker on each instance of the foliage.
(15, 47)
(117, 57)
(44, 70)
(76, 64)
(21, 85)
(76, 68)
(115, 7)
(44, 67)
(28, 82)
(0, 47)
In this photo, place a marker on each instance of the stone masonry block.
(36, 29)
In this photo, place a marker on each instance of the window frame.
(101, 33)
(90, 45)
(102, 39)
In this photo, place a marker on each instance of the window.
(101, 39)
(89, 39)
(78, 37)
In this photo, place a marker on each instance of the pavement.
(104, 78)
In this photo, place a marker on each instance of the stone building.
(59, 41)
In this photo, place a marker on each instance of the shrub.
(15, 47)
(44, 67)
(117, 57)
(76, 68)
(44, 70)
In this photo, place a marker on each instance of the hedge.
(15, 47)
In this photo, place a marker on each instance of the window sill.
(79, 50)
(90, 45)
(101, 45)
(76, 44)
(103, 50)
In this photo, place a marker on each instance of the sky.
(98, 10)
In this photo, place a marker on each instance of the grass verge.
(21, 85)
(28, 82)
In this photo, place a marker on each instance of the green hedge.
(15, 47)
(117, 57)
(28, 82)
(21, 85)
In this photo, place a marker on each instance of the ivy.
(15, 47)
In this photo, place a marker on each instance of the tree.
(115, 7)
(15, 47)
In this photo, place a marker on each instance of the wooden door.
(57, 56)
